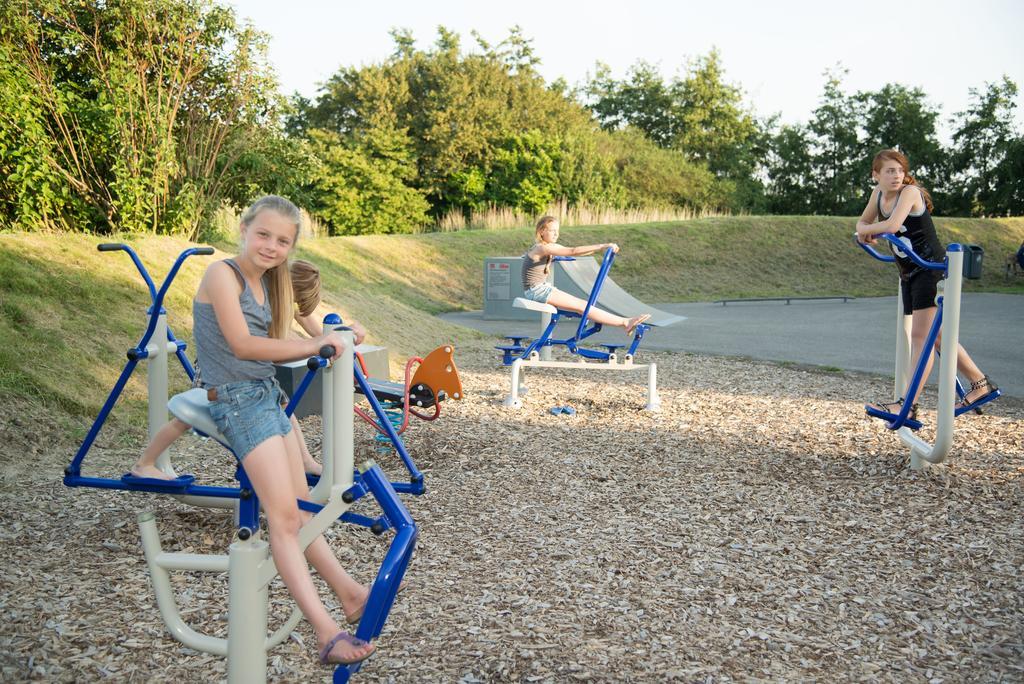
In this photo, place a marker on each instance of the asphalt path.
(859, 334)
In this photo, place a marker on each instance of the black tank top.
(919, 232)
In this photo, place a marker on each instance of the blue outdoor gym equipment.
(947, 320)
(247, 562)
(536, 354)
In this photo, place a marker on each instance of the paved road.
(858, 335)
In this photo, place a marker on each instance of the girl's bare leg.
(164, 438)
(920, 325)
(351, 593)
(563, 300)
(309, 464)
(966, 367)
(268, 465)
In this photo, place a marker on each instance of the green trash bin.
(973, 255)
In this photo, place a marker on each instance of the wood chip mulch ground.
(759, 527)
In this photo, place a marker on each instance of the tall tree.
(700, 115)
(642, 101)
(145, 105)
(789, 167)
(838, 183)
(363, 188)
(1008, 181)
(901, 118)
(466, 119)
(714, 126)
(984, 144)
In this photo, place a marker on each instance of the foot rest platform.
(154, 484)
(510, 352)
(386, 390)
(892, 418)
(991, 396)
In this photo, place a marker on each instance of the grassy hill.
(68, 312)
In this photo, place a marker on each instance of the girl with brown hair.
(898, 205)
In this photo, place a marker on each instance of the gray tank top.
(534, 272)
(219, 365)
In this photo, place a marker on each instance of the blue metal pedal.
(517, 340)
(154, 484)
(991, 396)
(892, 418)
(510, 352)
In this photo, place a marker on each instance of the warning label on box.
(499, 281)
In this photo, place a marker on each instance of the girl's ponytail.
(910, 180)
(306, 285)
(282, 298)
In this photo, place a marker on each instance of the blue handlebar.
(872, 251)
(108, 247)
(931, 265)
(602, 273)
(158, 299)
(155, 296)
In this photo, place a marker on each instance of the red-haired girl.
(900, 206)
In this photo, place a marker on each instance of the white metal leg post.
(338, 445)
(922, 453)
(545, 321)
(156, 382)
(653, 400)
(247, 612)
(512, 400)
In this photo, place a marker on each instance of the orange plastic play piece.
(438, 372)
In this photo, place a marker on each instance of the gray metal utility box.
(290, 376)
(503, 282)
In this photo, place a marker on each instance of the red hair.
(901, 159)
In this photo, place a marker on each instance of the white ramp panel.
(577, 278)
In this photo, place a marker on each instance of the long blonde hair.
(279, 279)
(306, 284)
(542, 223)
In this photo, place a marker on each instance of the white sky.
(776, 51)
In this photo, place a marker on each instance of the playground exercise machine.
(947, 320)
(248, 563)
(536, 354)
(435, 380)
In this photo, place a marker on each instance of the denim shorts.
(249, 413)
(539, 292)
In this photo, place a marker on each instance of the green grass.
(68, 313)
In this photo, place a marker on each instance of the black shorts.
(919, 292)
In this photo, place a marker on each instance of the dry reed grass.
(499, 218)
(226, 219)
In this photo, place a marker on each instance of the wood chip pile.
(759, 527)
